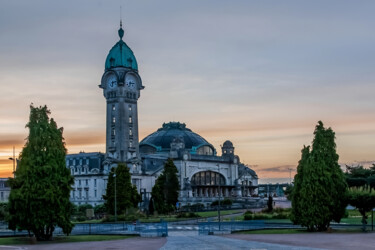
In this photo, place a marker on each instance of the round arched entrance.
(207, 183)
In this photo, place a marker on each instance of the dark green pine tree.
(319, 194)
(39, 197)
(296, 196)
(165, 191)
(126, 194)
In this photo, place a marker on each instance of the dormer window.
(112, 62)
(130, 62)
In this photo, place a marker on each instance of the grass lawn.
(214, 213)
(61, 239)
(172, 218)
(87, 221)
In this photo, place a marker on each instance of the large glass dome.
(175, 132)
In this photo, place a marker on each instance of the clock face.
(112, 81)
(131, 81)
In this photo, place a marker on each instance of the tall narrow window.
(130, 132)
(95, 193)
(113, 132)
(113, 107)
(113, 119)
(94, 182)
(130, 108)
(130, 143)
(130, 119)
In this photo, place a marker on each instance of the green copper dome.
(121, 55)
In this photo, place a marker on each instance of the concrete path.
(191, 240)
(340, 241)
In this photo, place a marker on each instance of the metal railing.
(229, 226)
(142, 229)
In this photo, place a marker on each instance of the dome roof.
(121, 55)
(228, 144)
(169, 132)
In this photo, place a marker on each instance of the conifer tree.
(319, 193)
(40, 191)
(165, 191)
(126, 194)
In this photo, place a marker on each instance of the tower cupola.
(121, 55)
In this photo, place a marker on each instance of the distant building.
(201, 170)
(4, 190)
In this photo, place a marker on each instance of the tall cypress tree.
(126, 194)
(39, 197)
(296, 196)
(165, 191)
(319, 193)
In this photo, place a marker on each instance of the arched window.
(205, 150)
(207, 178)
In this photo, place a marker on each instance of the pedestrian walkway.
(188, 240)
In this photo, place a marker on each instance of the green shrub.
(187, 215)
(82, 208)
(225, 202)
(195, 207)
(100, 209)
(81, 218)
(248, 215)
(278, 213)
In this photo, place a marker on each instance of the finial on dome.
(121, 31)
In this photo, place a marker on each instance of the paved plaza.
(190, 240)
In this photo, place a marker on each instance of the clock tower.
(121, 86)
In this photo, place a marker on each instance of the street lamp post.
(14, 162)
(114, 175)
(218, 208)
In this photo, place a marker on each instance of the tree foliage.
(39, 197)
(363, 199)
(270, 204)
(358, 176)
(165, 191)
(126, 194)
(318, 196)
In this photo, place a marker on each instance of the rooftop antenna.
(120, 16)
(121, 31)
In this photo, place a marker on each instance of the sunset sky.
(259, 73)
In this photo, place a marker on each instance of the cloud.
(277, 169)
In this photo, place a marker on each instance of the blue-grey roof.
(162, 138)
(245, 170)
(94, 159)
